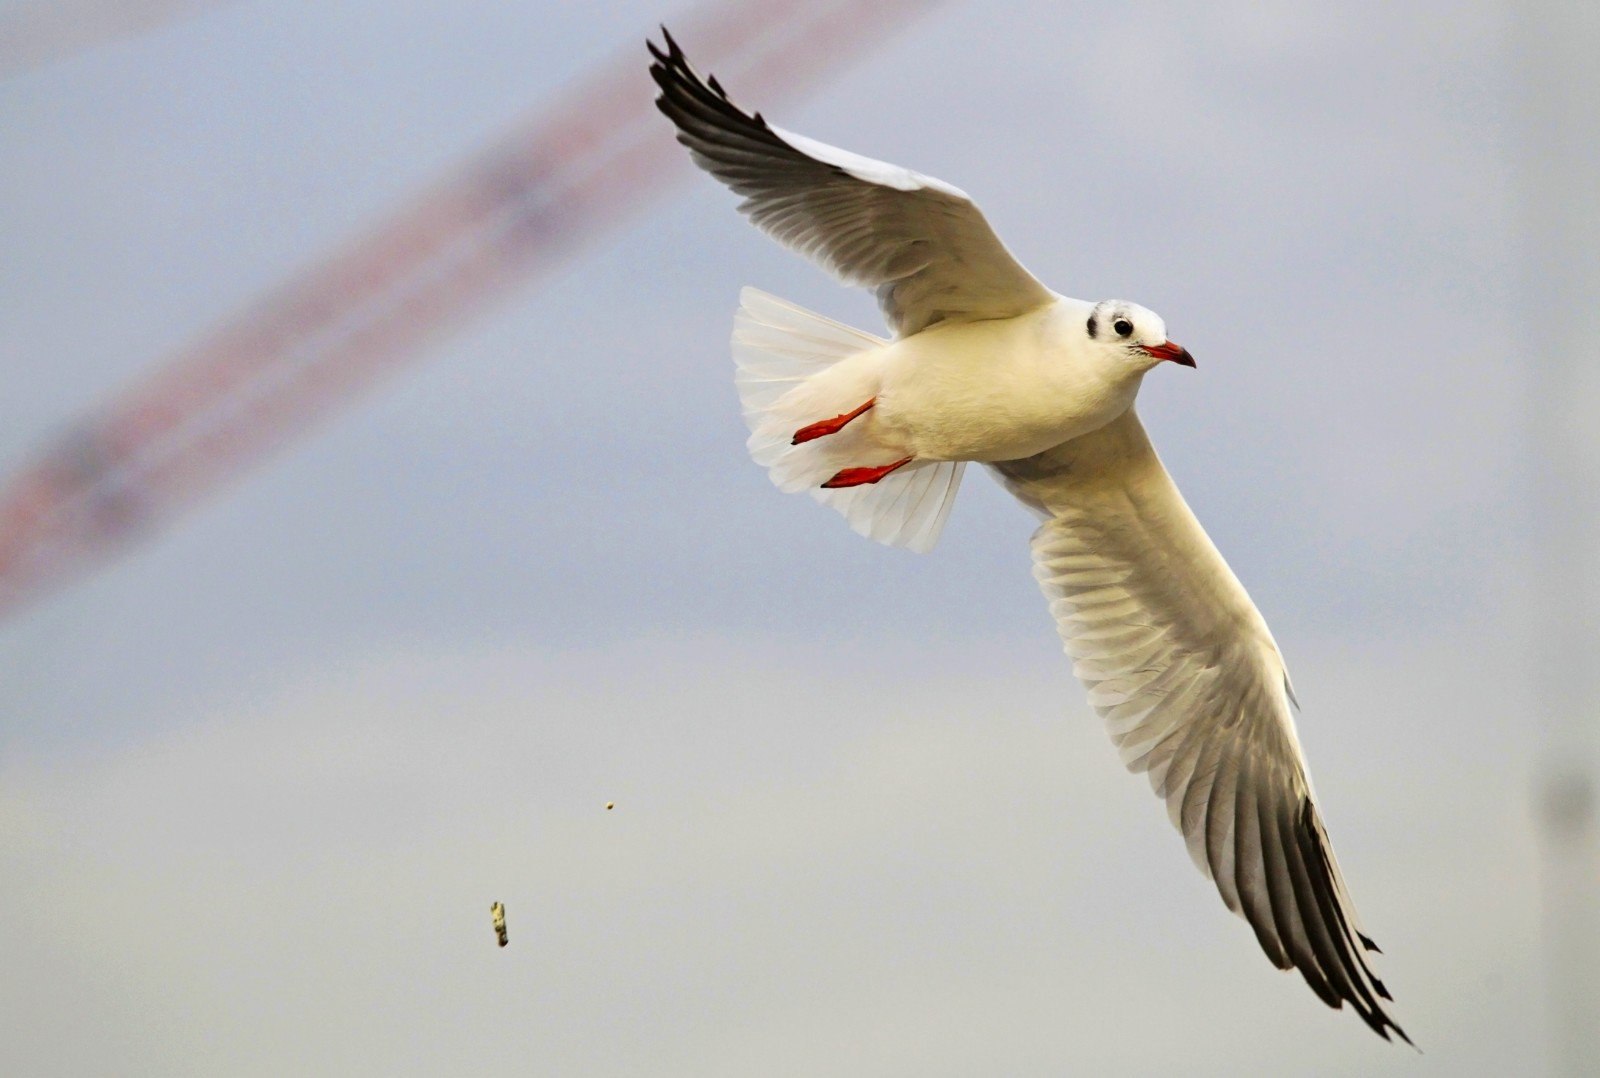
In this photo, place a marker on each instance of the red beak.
(1170, 350)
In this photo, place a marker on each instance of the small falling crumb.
(499, 912)
(610, 805)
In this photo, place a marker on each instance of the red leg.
(830, 426)
(856, 477)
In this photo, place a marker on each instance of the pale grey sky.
(261, 780)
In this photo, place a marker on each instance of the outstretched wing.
(920, 243)
(1181, 666)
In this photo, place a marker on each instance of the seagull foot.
(824, 427)
(858, 477)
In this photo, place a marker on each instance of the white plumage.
(989, 365)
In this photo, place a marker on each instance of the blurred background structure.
(259, 780)
(518, 210)
(1561, 247)
(33, 34)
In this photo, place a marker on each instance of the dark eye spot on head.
(1123, 327)
(1093, 328)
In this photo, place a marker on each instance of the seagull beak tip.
(1171, 350)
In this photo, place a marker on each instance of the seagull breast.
(1000, 388)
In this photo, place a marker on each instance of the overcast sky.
(261, 779)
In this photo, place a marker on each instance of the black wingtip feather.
(1310, 837)
(722, 136)
(672, 54)
(682, 88)
(1319, 918)
(672, 44)
(1280, 891)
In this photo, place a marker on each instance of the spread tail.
(782, 353)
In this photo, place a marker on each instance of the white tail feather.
(780, 349)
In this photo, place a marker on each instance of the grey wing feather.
(921, 244)
(1192, 688)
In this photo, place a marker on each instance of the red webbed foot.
(858, 477)
(825, 427)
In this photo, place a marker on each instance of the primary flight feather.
(986, 364)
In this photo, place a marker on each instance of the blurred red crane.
(520, 209)
(41, 31)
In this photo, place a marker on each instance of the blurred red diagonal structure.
(291, 359)
(39, 32)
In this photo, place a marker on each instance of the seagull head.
(1136, 333)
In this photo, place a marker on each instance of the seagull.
(988, 365)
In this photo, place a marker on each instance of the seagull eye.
(1123, 327)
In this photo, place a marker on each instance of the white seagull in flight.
(989, 365)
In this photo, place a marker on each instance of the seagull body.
(990, 390)
(988, 365)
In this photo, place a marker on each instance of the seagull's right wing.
(1181, 666)
(920, 243)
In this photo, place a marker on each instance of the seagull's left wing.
(920, 243)
(1181, 666)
